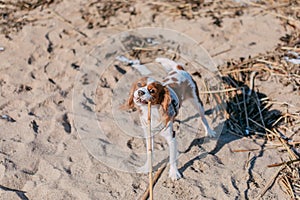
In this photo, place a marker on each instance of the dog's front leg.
(167, 133)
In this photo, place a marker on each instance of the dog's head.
(147, 89)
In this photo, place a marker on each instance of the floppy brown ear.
(165, 105)
(166, 100)
(129, 103)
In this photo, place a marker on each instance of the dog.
(166, 98)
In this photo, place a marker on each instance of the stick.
(155, 179)
(284, 163)
(287, 184)
(269, 184)
(268, 130)
(244, 150)
(287, 147)
(69, 23)
(150, 151)
(246, 113)
(252, 77)
(145, 49)
(218, 91)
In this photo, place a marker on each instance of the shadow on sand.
(247, 114)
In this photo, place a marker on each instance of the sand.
(43, 155)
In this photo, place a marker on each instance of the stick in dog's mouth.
(150, 151)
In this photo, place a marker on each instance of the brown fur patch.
(157, 92)
(174, 79)
(165, 106)
(179, 67)
(166, 80)
(172, 73)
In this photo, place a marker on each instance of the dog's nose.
(141, 93)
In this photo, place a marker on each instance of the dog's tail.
(168, 64)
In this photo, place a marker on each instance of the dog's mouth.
(142, 101)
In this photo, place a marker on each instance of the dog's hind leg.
(199, 106)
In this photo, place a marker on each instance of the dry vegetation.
(249, 112)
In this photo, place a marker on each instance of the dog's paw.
(174, 174)
(211, 133)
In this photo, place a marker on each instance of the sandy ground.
(41, 153)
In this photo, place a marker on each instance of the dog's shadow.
(258, 111)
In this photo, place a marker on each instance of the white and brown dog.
(166, 99)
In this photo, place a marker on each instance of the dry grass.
(249, 111)
(15, 13)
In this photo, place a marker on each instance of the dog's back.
(179, 80)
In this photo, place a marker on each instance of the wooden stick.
(270, 183)
(68, 22)
(145, 49)
(268, 130)
(287, 147)
(244, 150)
(284, 163)
(287, 184)
(150, 152)
(246, 112)
(218, 91)
(155, 179)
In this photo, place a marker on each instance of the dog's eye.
(152, 91)
(139, 84)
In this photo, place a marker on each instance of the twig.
(282, 16)
(233, 133)
(218, 91)
(248, 160)
(287, 184)
(267, 62)
(284, 163)
(252, 77)
(292, 154)
(150, 152)
(238, 102)
(268, 130)
(235, 70)
(278, 120)
(280, 144)
(238, 128)
(155, 179)
(145, 49)
(269, 184)
(283, 103)
(69, 23)
(246, 113)
(290, 48)
(221, 52)
(260, 113)
(243, 150)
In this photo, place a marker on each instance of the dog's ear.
(166, 100)
(129, 103)
(165, 105)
